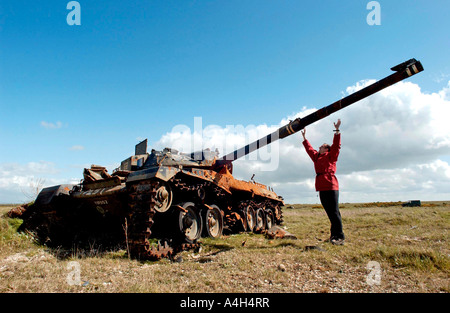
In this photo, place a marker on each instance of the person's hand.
(336, 125)
(304, 133)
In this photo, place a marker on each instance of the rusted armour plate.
(17, 212)
(276, 232)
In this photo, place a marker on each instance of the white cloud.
(49, 125)
(429, 181)
(76, 148)
(445, 92)
(18, 182)
(438, 78)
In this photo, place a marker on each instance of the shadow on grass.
(301, 247)
(253, 241)
(82, 251)
(219, 246)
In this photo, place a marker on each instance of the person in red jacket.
(326, 182)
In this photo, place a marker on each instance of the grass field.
(388, 249)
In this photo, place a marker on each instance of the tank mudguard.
(163, 172)
(46, 195)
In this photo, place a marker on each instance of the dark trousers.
(330, 202)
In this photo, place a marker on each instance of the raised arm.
(336, 146)
(309, 149)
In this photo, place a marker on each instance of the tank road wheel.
(250, 217)
(269, 219)
(260, 220)
(163, 198)
(189, 222)
(213, 221)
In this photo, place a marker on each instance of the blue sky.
(77, 95)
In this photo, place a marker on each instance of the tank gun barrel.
(402, 71)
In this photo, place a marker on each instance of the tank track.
(140, 245)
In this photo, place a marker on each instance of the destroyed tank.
(162, 202)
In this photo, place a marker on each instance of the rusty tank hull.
(159, 203)
(162, 202)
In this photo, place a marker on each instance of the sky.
(225, 72)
